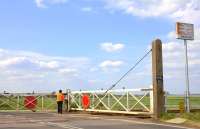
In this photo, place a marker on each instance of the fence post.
(68, 100)
(18, 102)
(157, 75)
(151, 100)
(109, 101)
(42, 103)
(127, 100)
(79, 101)
(166, 102)
(93, 105)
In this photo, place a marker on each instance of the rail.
(16, 102)
(124, 101)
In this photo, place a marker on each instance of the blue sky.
(88, 44)
(60, 29)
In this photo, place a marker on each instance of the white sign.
(184, 31)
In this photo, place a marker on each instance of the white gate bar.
(118, 90)
(139, 101)
(98, 97)
(101, 101)
(118, 101)
(111, 111)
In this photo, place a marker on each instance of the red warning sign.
(85, 101)
(30, 102)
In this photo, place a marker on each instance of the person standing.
(60, 99)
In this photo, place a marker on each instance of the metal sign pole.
(185, 31)
(187, 96)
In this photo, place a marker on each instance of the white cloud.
(173, 54)
(27, 77)
(93, 81)
(50, 64)
(182, 10)
(111, 47)
(171, 35)
(69, 71)
(40, 3)
(111, 65)
(21, 69)
(93, 69)
(45, 3)
(37, 63)
(87, 9)
(174, 63)
(11, 61)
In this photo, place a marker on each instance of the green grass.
(174, 101)
(192, 116)
(168, 116)
(189, 116)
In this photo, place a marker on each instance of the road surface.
(29, 120)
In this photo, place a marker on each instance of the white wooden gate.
(124, 101)
(15, 102)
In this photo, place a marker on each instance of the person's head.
(60, 91)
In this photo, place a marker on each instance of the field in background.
(173, 102)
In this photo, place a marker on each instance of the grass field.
(174, 101)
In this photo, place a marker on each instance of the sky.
(47, 45)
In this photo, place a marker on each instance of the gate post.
(68, 100)
(157, 74)
(151, 100)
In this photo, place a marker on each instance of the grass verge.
(192, 119)
(189, 116)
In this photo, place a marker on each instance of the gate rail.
(124, 101)
(15, 101)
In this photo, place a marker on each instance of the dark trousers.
(60, 106)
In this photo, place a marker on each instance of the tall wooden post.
(157, 74)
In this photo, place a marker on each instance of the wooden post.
(157, 74)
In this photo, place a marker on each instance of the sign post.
(185, 32)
